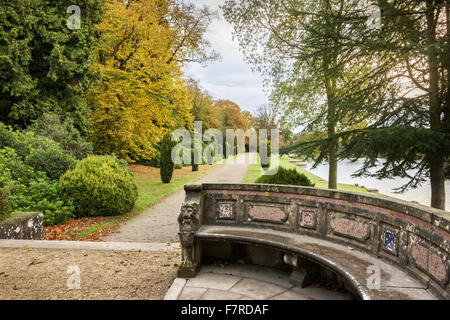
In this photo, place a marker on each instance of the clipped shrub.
(99, 186)
(166, 165)
(265, 161)
(286, 176)
(194, 165)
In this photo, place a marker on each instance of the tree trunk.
(437, 178)
(332, 170)
(331, 131)
(435, 160)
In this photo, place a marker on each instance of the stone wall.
(413, 237)
(25, 226)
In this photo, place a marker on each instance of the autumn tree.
(203, 107)
(142, 94)
(233, 117)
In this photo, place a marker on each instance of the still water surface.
(347, 168)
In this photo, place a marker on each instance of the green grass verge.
(152, 191)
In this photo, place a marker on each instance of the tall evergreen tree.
(44, 65)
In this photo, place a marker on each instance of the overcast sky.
(231, 78)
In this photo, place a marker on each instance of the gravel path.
(43, 274)
(159, 223)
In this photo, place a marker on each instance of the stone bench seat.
(350, 264)
(342, 238)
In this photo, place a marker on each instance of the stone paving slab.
(213, 281)
(257, 289)
(245, 282)
(269, 275)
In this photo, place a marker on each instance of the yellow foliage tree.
(141, 94)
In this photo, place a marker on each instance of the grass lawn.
(254, 173)
(151, 190)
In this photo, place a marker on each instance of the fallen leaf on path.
(35, 262)
(350, 248)
(100, 263)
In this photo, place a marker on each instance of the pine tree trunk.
(437, 178)
(435, 160)
(331, 130)
(332, 170)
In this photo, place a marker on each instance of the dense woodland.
(78, 104)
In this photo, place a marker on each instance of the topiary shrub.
(166, 165)
(286, 176)
(99, 186)
(194, 165)
(265, 161)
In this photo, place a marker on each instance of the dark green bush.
(286, 176)
(38, 152)
(52, 160)
(99, 186)
(69, 138)
(167, 166)
(30, 190)
(42, 195)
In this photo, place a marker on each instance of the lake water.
(347, 168)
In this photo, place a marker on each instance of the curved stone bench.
(348, 234)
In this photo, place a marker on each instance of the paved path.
(159, 223)
(245, 282)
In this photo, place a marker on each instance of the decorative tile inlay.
(389, 241)
(308, 219)
(349, 227)
(226, 211)
(437, 267)
(429, 261)
(266, 213)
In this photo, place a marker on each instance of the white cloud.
(230, 78)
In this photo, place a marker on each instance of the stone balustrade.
(412, 237)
